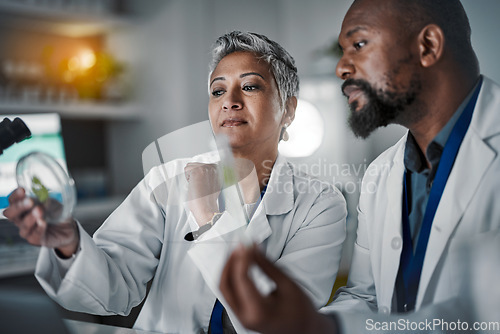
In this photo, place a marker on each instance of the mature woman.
(298, 221)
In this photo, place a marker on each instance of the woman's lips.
(232, 122)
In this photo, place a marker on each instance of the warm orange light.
(87, 59)
(74, 64)
(84, 61)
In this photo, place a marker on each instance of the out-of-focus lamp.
(87, 59)
(305, 133)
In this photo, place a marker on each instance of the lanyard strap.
(216, 319)
(412, 263)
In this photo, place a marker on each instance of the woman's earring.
(284, 134)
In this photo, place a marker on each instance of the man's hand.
(285, 310)
(29, 218)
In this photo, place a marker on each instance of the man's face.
(379, 66)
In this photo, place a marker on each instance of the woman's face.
(245, 104)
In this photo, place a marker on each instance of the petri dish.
(48, 184)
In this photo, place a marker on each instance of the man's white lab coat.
(468, 210)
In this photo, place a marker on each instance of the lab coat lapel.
(390, 253)
(258, 230)
(277, 200)
(472, 162)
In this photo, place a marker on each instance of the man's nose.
(345, 68)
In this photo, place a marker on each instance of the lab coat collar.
(277, 200)
(486, 124)
(279, 197)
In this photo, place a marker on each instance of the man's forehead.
(370, 5)
(367, 15)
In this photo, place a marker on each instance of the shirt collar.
(414, 158)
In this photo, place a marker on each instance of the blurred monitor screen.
(45, 137)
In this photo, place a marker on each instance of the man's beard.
(381, 108)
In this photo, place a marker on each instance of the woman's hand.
(203, 190)
(285, 310)
(29, 218)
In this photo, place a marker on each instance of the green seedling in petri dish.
(40, 191)
(229, 176)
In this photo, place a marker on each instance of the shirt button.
(396, 243)
(384, 310)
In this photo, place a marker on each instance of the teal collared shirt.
(419, 176)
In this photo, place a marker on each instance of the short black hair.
(450, 16)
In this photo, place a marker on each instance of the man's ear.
(290, 106)
(431, 44)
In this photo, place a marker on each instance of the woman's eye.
(250, 88)
(359, 45)
(217, 92)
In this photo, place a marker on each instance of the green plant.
(41, 192)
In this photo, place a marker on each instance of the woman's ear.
(290, 106)
(431, 44)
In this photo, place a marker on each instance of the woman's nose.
(345, 68)
(232, 100)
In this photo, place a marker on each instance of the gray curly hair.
(282, 63)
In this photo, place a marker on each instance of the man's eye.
(217, 92)
(359, 45)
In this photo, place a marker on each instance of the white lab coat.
(468, 209)
(300, 224)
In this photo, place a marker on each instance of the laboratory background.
(119, 74)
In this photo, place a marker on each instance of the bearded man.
(407, 62)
